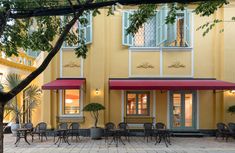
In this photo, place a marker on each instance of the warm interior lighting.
(232, 91)
(68, 101)
(97, 91)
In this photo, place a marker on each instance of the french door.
(183, 110)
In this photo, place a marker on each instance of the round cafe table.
(162, 134)
(116, 136)
(62, 136)
(22, 133)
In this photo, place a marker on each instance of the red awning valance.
(64, 84)
(193, 84)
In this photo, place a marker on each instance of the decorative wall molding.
(145, 65)
(177, 65)
(72, 65)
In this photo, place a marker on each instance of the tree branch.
(5, 97)
(71, 5)
(17, 14)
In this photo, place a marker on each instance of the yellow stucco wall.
(213, 57)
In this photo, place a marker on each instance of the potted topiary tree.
(231, 109)
(94, 108)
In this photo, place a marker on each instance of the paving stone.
(136, 145)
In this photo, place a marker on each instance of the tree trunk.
(1, 127)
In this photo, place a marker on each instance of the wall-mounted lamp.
(97, 91)
(1, 75)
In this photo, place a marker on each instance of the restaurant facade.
(164, 73)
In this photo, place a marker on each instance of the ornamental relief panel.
(177, 63)
(145, 63)
(71, 65)
(152, 64)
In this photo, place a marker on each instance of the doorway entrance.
(183, 110)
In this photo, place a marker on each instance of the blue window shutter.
(85, 32)
(89, 29)
(187, 27)
(127, 40)
(171, 34)
(161, 27)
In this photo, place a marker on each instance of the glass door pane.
(188, 110)
(176, 110)
(143, 104)
(131, 104)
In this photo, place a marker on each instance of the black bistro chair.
(148, 130)
(125, 131)
(40, 130)
(74, 130)
(222, 131)
(231, 128)
(108, 130)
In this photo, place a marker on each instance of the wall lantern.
(1, 75)
(97, 91)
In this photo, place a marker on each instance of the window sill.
(138, 119)
(159, 48)
(70, 118)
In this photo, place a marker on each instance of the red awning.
(197, 84)
(64, 84)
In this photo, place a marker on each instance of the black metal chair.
(231, 133)
(108, 130)
(148, 130)
(222, 130)
(40, 130)
(125, 131)
(74, 130)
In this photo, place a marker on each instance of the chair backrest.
(41, 127)
(221, 127)
(109, 126)
(122, 125)
(74, 126)
(160, 125)
(63, 126)
(148, 126)
(231, 127)
(28, 126)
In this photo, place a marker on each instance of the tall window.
(71, 103)
(137, 104)
(156, 33)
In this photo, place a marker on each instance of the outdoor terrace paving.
(136, 145)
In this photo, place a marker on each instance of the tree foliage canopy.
(38, 32)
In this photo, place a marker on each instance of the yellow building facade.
(22, 65)
(156, 52)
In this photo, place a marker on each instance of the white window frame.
(61, 101)
(79, 29)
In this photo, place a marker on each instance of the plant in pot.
(231, 109)
(12, 80)
(94, 108)
(31, 97)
